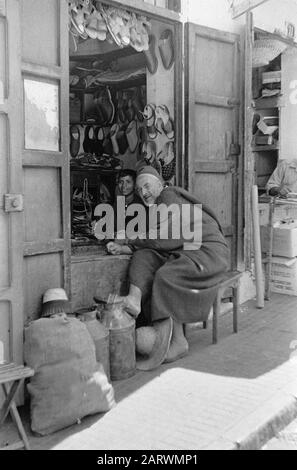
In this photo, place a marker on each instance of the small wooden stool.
(11, 373)
(230, 280)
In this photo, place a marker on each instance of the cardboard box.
(282, 212)
(284, 239)
(271, 77)
(284, 276)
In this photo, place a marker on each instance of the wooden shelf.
(265, 148)
(268, 103)
(129, 83)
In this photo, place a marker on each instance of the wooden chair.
(230, 280)
(13, 374)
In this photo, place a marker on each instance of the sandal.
(74, 141)
(89, 142)
(166, 48)
(164, 121)
(132, 136)
(122, 141)
(167, 160)
(113, 135)
(150, 55)
(149, 115)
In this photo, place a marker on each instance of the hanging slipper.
(167, 160)
(74, 141)
(164, 121)
(101, 27)
(150, 55)
(135, 36)
(122, 107)
(150, 157)
(107, 146)
(122, 140)
(78, 21)
(99, 139)
(132, 136)
(143, 27)
(89, 140)
(129, 110)
(91, 25)
(113, 135)
(137, 104)
(112, 23)
(166, 48)
(150, 119)
(104, 101)
(142, 138)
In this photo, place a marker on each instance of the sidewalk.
(234, 395)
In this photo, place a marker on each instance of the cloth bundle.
(68, 383)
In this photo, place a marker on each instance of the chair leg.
(205, 325)
(18, 422)
(235, 308)
(216, 313)
(9, 397)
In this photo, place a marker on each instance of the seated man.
(176, 274)
(284, 179)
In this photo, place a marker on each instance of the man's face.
(149, 188)
(126, 185)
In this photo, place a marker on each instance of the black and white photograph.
(148, 228)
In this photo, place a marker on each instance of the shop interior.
(121, 105)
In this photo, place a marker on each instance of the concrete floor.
(234, 395)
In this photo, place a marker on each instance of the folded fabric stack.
(271, 83)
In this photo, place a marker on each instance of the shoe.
(132, 136)
(166, 48)
(107, 146)
(164, 121)
(150, 55)
(104, 100)
(149, 115)
(122, 141)
(99, 139)
(113, 135)
(74, 141)
(89, 142)
(167, 160)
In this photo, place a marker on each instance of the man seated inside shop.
(284, 179)
(173, 279)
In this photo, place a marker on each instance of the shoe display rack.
(267, 103)
(114, 55)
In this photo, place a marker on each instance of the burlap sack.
(68, 383)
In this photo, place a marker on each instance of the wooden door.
(45, 147)
(212, 127)
(11, 215)
(46, 183)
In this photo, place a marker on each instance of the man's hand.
(116, 249)
(283, 191)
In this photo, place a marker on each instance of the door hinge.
(13, 203)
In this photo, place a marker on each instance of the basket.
(266, 50)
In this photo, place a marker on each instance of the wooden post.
(257, 249)
(270, 247)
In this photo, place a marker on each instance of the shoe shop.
(95, 95)
(97, 89)
(90, 94)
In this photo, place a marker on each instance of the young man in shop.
(176, 274)
(284, 179)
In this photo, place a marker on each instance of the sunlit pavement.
(234, 395)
